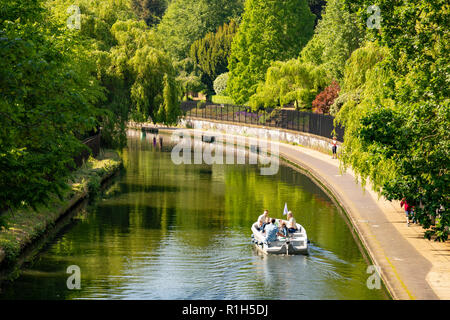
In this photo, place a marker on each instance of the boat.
(295, 243)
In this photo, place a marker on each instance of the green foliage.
(211, 53)
(220, 84)
(151, 11)
(143, 66)
(356, 70)
(188, 20)
(222, 100)
(49, 97)
(397, 134)
(288, 82)
(129, 62)
(335, 38)
(94, 185)
(316, 7)
(59, 84)
(169, 109)
(270, 30)
(189, 76)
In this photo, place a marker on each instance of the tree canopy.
(335, 38)
(48, 99)
(288, 82)
(188, 20)
(211, 53)
(58, 84)
(270, 30)
(151, 11)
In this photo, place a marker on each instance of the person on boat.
(283, 232)
(271, 231)
(292, 224)
(262, 220)
(265, 223)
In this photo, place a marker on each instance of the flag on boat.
(285, 212)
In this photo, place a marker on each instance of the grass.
(222, 99)
(25, 225)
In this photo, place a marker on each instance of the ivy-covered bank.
(21, 228)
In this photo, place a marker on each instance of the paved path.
(411, 267)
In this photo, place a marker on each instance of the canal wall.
(295, 138)
(25, 227)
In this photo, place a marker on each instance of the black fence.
(314, 123)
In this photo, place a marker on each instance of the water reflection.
(166, 231)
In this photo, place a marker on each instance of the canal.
(166, 231)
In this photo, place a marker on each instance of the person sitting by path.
(262, 220)
(292, 224)
(271, 232)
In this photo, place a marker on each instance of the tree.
(148, 71)
(316, 7)
(151, 11)
(335, 38)
(169, 110)
(356, 70)
(397, 134)
(211, 53)
(49, 98)
(288, 82)
(188, 20)
(325, 99)
(220, 84)
(270, 30)
(189, 77)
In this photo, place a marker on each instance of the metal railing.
(313, 123)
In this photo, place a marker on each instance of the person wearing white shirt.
(292, 224)
(262, 219)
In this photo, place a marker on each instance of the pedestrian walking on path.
(334, 147)
(408, 210)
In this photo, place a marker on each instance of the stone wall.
(288, 136)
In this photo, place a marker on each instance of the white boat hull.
(296, 243)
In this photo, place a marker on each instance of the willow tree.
(147, 71)
(288, 82)
(270, 30)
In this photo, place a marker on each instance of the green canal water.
(166, 231)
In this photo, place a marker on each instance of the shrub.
(220, 84)
(326, 98)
